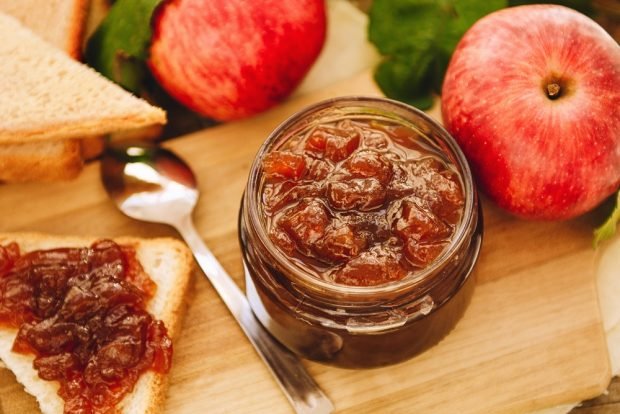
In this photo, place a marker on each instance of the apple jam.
(360, 228)
(360, 202)
(82, 313)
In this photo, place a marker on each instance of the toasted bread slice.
(55, 160)
(167, 261)
(92, 147)
(59, 22)
(68, 32)
(48, 161)
(48, 96)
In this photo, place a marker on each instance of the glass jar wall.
(308, 292)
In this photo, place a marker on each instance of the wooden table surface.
(608, 15)
(531, 338)
(608, 403)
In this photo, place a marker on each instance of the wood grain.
(609, 403)
(531, 338)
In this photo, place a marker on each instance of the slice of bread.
(55, 160)
(167, 261)
(58, 22)
(92, 147)
(48, 96)
(47, 161)
(68, 32)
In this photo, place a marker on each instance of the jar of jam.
(360, 228)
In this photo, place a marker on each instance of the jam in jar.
(82, 313)
(360, 228)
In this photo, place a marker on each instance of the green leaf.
(388, 31)
(399, 80)
(119, 47)
(417, 39)
(608, 229)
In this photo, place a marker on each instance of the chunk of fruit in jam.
(336, 144)
(429, 180)
(341, 242)
(374, 225)
(376, 201)
(411, 220)
(8, 255)
(375, 139)
(368, 164)
(404, 184)
(82, 313)
(426, 167)
(373, 267)
(361, 194)
(338, 148)
(280, 194)
(305, 224)
(283, 165)
(449, 201)
(318, 169)
(405, 137)
(316, 141)
(423, 254)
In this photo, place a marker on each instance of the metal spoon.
(152, 184)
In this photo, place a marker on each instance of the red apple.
(532, 95)
(228, 59)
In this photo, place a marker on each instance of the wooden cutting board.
(531, 338)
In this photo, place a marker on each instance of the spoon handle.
(301, 390)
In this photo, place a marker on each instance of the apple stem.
(553, 90)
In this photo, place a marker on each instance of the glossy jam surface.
(360, 202)
(82, 313)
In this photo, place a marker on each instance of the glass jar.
(359, 326)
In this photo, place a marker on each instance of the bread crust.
(92, 147)
(40, 162)
(150, 391)
(73, 113)
(56, 166)
(66, 28)
(77, 28)
(102, 125)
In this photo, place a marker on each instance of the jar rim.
(410, 281)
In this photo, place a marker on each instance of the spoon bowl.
(152, 184)
(149, 183)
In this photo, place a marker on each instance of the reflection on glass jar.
(360, 228)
